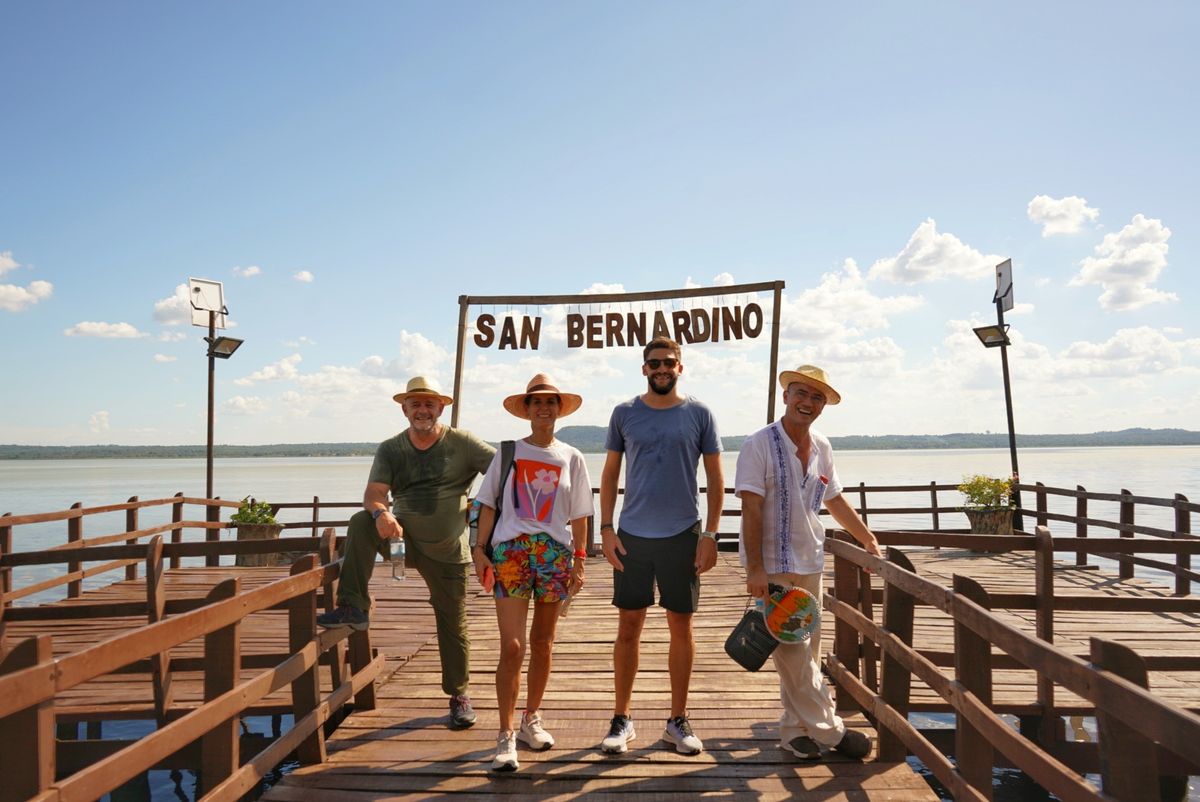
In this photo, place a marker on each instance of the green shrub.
(253, 512)
(986, 492)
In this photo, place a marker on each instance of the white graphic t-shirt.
(546, 490)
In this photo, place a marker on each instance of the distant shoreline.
(590, 439)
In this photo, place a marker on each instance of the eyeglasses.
(669, 362)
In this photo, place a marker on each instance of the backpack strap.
(508, 454)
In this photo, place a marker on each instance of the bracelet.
(709, 536)
(606, 526)
(580, 554)
(376, 513)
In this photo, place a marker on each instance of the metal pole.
(463, 302)
(1018, 524)
(212, 332)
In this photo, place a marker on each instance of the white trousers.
(808, 707)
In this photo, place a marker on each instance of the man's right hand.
(756, 582)
(388, 527)
(610, 544)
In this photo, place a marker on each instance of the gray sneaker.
(679, 732)
(804, 747)
(620, 733)
(462, 715)
(345, 616)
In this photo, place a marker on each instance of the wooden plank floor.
(403, 749)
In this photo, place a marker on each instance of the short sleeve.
(479, 453)
(382, 471)
(710, 439)
(581, 489)
(751, 474)
(488, 488)
(615, 440)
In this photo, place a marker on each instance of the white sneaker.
(533, 734)
(679, 732)
(506, 753)
(620, 733)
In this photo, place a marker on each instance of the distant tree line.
(590, 439)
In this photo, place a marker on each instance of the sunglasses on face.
(669, 362)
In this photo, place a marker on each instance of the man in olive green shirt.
(427, 469)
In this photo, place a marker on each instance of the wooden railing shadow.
(1146, 746)
(206, 737)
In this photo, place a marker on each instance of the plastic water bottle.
(398, 561)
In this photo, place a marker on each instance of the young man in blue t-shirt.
(659, 541)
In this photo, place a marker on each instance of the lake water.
(45, 486)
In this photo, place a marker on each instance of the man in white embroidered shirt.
(785, 473)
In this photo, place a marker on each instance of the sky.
(347, 172)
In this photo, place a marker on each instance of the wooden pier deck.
(403, 749)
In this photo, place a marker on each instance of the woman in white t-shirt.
(534, 550)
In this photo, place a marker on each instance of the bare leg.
(625, 657)
(679, 660)
(511, 615)
(541, 647)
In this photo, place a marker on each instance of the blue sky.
(348, 171)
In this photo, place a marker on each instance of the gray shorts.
(669, 562)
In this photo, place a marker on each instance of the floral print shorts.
(532, 567)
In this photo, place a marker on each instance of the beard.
(662, 389)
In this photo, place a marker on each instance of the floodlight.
(993, 336)
(223, 347)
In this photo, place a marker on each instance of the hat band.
(535, 388)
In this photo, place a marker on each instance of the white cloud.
(930, 256)
(98, 422)
(244, 405)
(840, 307)
(174, 310)
(164, 358)
(299, 341)
(303, 276)
(1021, 309)
(599, 288)
(247, 272)
(172, 337)
(279, 371)
(7, 262)
(1127, 354)
(15, 299)
(418, 356)
(1126, 264)
(1060, 215)
(113, 331)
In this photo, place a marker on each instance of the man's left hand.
(706, 554)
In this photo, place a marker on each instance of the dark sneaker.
(854, 745)
(345, 616)
(620, 733)
(804, 747)
(679, 732)
(462, 715)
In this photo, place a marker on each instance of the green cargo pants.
(447, 583)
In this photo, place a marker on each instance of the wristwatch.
(709, 536)
(377, 512)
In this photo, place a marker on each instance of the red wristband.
(580, 554)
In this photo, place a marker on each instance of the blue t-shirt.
(663, 447)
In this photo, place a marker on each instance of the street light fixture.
(222, 347)
(208, 309)
(997, 337)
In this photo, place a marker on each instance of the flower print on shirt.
(536, 487)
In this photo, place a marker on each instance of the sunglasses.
(669, 362)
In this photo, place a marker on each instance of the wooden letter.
(486, 334)
(574, 330)
(531, 332)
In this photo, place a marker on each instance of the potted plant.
(255, 520)
(989, 504)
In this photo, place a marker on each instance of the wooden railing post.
(1128, 759)
(316, 519)
(176, 531)
(1049, 726)
(862, 500)
(74, 535)
(1081, 527)
(27, 757)
(131, 525)
(156, 605)
(870, 651)
(5, 548)
(360, 658)
(896, 682)
(845, 638)
(219, 752)
(306, 689)
(1125, 570)
(973, 670)
(1040, 499)
(1183, 526)
(327, 552)
(933, 506)
(212, 515)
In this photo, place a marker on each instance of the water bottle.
(398, 561)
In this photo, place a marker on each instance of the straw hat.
(541, 384)
(422, 385)
(813, 376)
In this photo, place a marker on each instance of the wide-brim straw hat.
(541, 384)
(423, 385)
(813, 376)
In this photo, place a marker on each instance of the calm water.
(44, 486)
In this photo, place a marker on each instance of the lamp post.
(208, 309)
(997, 337)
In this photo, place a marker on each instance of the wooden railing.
(205, 737)
(1143, 741)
